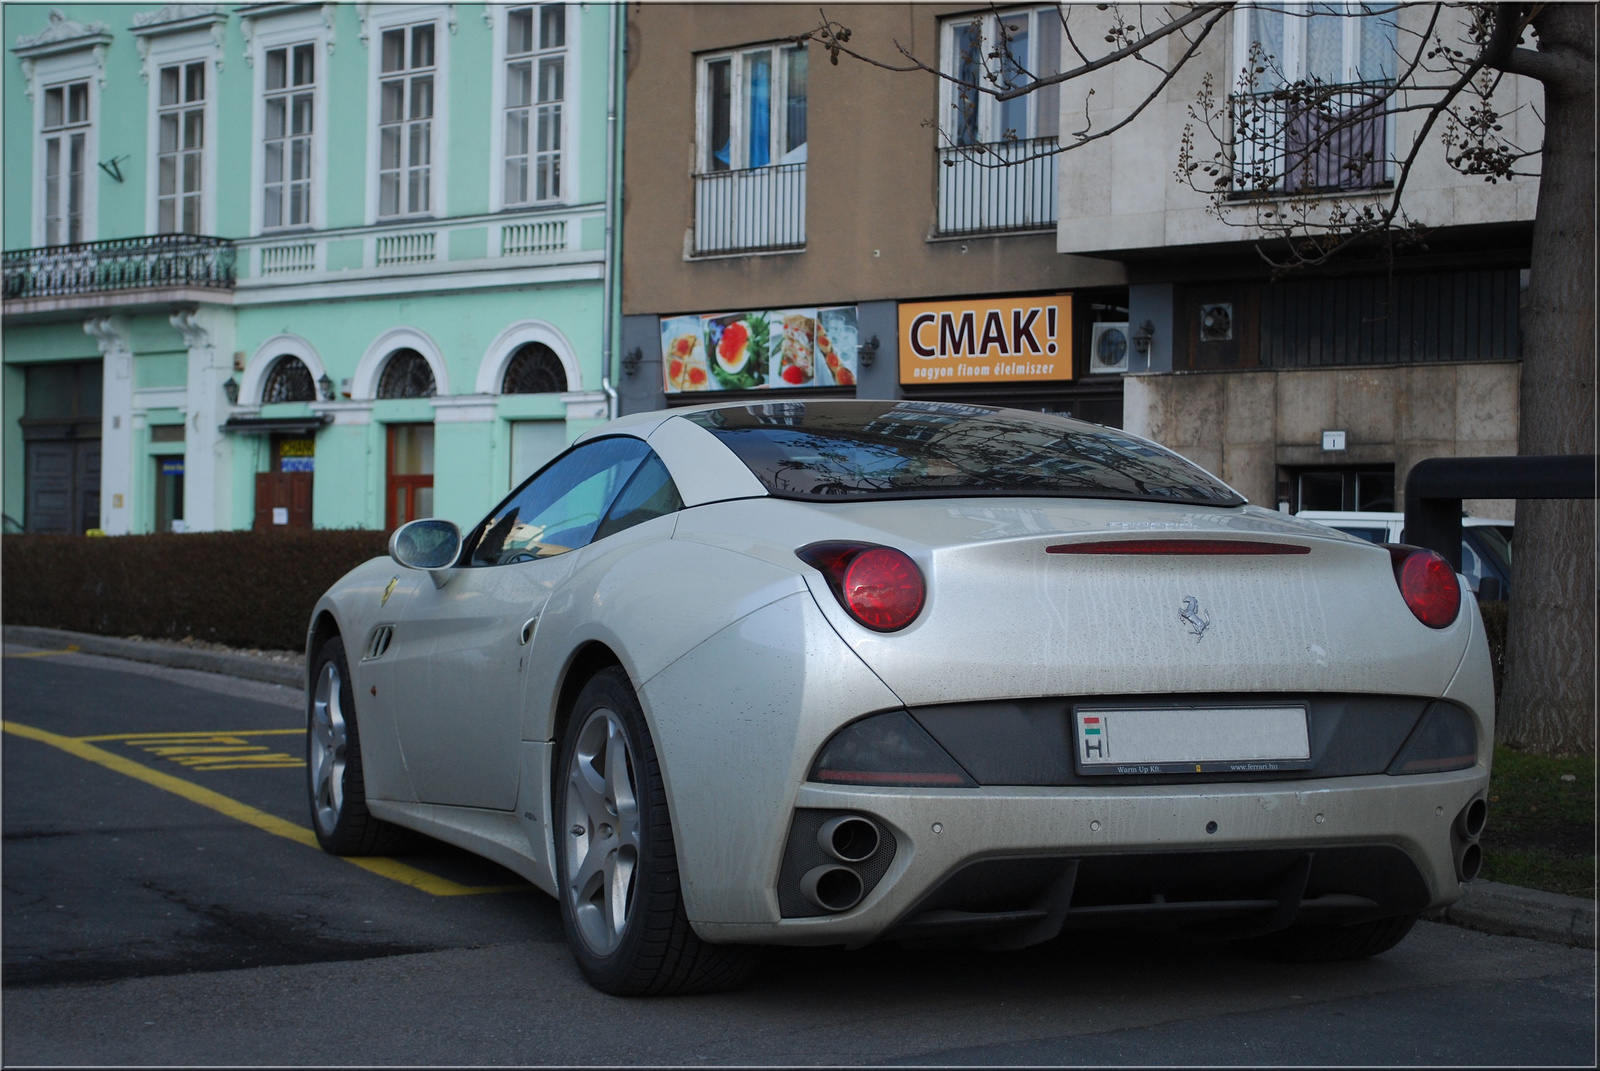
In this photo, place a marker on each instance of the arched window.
(406, 375)
(289, 381)
(534, 369)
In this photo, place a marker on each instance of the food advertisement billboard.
(992, 340)
(770, 350)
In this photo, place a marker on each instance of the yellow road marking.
(191, 735)
(392, 869)
(72, 648)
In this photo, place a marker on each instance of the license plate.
(1175, 740)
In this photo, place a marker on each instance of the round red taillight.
(883, 589)
(1429, 586)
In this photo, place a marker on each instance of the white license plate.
(1172, 740)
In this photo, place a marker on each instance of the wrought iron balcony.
(1312, 139)
(151, 262)
(997, 186)
(750, 210)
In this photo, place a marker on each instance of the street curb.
(1513, 911)
(161, 654)
(1489, 906)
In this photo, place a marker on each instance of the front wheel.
(621, 904)
(334, 780)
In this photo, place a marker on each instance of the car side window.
(649, 494)
(560, 508)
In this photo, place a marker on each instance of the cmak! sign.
(993, 340)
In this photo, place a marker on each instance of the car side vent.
(380, 642)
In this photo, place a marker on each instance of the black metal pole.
(1436, 486)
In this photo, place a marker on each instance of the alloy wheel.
(329, 739)
(602, 839)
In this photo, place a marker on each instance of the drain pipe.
(609, 275)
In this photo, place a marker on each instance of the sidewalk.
(1489, 906)
(249, 667)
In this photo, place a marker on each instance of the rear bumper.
(1386, 845)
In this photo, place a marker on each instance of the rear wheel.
(1318, 944)
(621, 903)
(334, 778)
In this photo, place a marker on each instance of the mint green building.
(288, 264)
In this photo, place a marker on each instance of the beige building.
(785, 215)
(765, 184)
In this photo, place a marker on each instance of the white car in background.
(830, 672)
(1485, 543)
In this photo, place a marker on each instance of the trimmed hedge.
(244, 589)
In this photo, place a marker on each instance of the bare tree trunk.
(1548, 702)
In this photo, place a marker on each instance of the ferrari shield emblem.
(393, 580)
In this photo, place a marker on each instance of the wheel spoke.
(591, 794)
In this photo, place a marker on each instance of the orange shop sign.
(992, 340)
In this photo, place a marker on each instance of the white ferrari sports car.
(832, 672)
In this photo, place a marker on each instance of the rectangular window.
(65, 135)
(410, 483)
(405, 121)
(291, 81)
(753, 107)
(535, 74)
(996, 163)
(181, 120)
(1335, 137)
(1005, 50)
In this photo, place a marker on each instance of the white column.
(208, 453)
(110, 333)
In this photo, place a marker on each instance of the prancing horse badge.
(393, 580)
(1191, 615)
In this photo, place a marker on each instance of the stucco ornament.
(62, 35)
(60, 31)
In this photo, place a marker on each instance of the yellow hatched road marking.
(392, 869)
(72, 648)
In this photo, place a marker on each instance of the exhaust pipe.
(1469, 861)
(1473, 817)
(832, 888)
(848, 838)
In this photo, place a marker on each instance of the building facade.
(836, 230)
(1321, 388)
(287, 264)
(791, 199)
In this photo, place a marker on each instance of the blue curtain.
(758, 79)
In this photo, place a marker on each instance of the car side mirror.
(429, 544)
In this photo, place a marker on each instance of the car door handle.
(527, 629)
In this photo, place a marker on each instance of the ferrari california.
(833, 672)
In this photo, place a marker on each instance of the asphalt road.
(161, 905)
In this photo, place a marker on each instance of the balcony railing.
(187, 261)
(750, 210)
(999, 186)
(540, 237)
(1309, 139)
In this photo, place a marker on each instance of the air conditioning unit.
(1108, 348)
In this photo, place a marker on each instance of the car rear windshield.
(833, 450)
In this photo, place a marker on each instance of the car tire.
(335, 786)
(1322, 944)
(616, 861)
